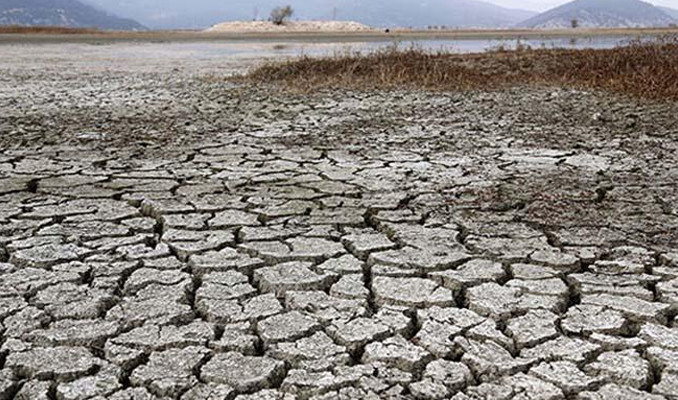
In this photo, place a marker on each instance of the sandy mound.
(297, 26)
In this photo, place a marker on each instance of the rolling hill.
(68, 13)
(380, 13)
(449, 13)
(670, 11)
(602, 13)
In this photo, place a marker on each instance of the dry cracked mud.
(166, 234)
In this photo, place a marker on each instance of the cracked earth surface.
(169, 235)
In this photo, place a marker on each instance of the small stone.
(617, 267)
(668, 293)
(223, 260)
(48, 255)
(429, 389)
(454, 376)
(170, 372)
(667, 386)
(144, 277)
(411, 292)
(562, 349)
(156, 338)
(210, 391)
(616, 343)
(488, 360)
(488, 331)
(624, 368)
(634, 309)
(546, 287)
(343, 265)
(557, 260)
(87, 333)
(566, 376)
(358, 332)
(424, 261)
(232, 219)
(237, 337)
(439, 326)
(660, 336)
(184, 221)
(34, 390)
(470, 274)
(533, 328)
(24, 322)
(308, 384)
(500, 302)
(533, 272)
(618, 392)
(315, 353)
(350, 287)
(397, 352)
(327, 309)
(531, 387)
(244, 373)
(588, 319)
(124, 357)
(286, 327)
(103, 384)
(229, 285)
(8, 386)
(362, 245)
(58, 363)
(291, 276)
(156, 310)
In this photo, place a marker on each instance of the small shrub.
(281, 14)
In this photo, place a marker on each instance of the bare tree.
(574, 23)
(281, 14)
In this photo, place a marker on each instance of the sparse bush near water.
(642, 69)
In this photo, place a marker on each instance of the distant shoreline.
(327, 37)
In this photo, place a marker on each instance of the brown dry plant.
(640, 68)
(46, 30)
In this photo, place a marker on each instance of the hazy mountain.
(450, 13)
(670, 11)
(384, 13)
(70, 13)
(602, 13)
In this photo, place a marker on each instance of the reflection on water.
(291, 49)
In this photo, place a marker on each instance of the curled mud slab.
(168, 235)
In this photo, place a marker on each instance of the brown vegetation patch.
(46, 30)
(643, 69)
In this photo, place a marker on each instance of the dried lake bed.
(167, 233)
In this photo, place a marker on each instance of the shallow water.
(233, 57)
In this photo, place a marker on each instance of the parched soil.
(168, 233)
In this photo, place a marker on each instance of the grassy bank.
(13, 34)
(642, 69)
(45, 30)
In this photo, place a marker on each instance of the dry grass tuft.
(46, 30)
(642, 69)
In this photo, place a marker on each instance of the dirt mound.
(297, 26)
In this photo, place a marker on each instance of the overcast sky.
(543, 5)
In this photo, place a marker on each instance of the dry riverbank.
(167, 233)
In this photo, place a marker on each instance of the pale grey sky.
(543, 5)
